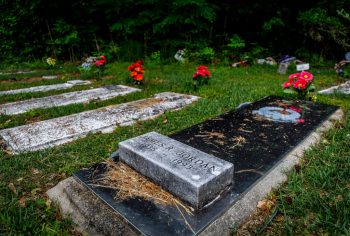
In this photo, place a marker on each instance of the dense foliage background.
(126, 30)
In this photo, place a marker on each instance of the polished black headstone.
(254, 143)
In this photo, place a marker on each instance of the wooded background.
(131, 29)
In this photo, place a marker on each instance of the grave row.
(219, 168)
(48, 133)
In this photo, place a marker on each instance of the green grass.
(316, 198)
(33, 173)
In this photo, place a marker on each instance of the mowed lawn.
(315, 200)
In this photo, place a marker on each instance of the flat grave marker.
(63, 99)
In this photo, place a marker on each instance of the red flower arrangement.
(201, 75)
(100, 66)
(137, 71)
(202, 72)
(300, 83)
(101, 62)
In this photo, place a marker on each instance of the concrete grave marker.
(103, 93)
(61, 130)
(44, 88)
(190, 174)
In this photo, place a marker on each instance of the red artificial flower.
(300, 121)
(300, 84)
(288, 83)
(296, 109)
(201, 71)
(293, 76)
(136, 70)
(139, 62)
(131, 67)
(202, 67)
(138, 77)
(100, 63)
(306, 76)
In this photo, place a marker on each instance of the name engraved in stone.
(188, 173)
(185, 159)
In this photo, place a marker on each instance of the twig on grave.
(249, 170)
(186, 222)
(239, 141)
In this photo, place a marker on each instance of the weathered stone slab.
(190, 174)
(343, 89)
(61, 130)
(103, 93)
(45, 88)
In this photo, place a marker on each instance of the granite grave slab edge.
(61, 130)
(237, 210)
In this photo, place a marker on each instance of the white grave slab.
(45, 88)
(343, 89)
(103, 93)
(61, 130)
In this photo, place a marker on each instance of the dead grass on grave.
(256, 221)
(130, 184)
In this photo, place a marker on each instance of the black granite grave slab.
(250, 141)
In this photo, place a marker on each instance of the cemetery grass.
(24, 178)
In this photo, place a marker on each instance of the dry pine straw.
(130, 184)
